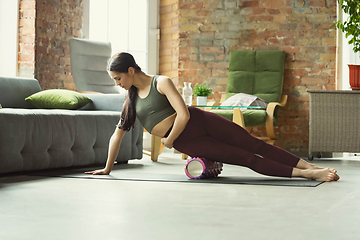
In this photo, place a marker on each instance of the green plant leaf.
(351, 27)
(202, 90)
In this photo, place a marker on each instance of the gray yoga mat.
(157, 172)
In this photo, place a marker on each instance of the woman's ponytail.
(120, 63)
(128, 113)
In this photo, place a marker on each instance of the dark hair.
(120, 63)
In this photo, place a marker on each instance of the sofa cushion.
(252, 118)
(88, 66)
(35, 139)
(108, 102)
(258, 73)
(14, 90)
(58, 99)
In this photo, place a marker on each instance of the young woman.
(162, 111)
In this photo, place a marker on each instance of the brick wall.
(56, 22)
(169, 39)
(26, 55)
(196, 39)
(305, 29)
(45, 27)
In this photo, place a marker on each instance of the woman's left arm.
(166, 86)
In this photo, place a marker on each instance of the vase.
(187, 93)
(354, 76)
(200, 100)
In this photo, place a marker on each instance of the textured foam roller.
(198, 168)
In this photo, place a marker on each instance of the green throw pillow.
(58, 99)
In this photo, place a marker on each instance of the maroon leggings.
(215, 138)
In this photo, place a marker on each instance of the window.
(8, 45)
(130, 26)
(346, 56)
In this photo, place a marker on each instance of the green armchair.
(259, 73)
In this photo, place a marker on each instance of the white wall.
(9, 10)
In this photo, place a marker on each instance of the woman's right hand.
(99, 172)
(114, 146)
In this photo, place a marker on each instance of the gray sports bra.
(154, 108)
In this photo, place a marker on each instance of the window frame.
(346, 55)
(153, 33)
(9, 45)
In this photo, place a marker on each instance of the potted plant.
(351, 28)
(201, 91)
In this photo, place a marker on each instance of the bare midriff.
(163, 127)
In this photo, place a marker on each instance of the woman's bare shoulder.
(163, 79)
(164, 83)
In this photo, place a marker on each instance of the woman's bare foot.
(336, 178)
(302, 164)
(325, 174)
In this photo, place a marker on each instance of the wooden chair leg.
(238, 117)
(156, 147)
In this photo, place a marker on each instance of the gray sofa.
(35, 139)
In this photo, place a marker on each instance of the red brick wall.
(45, 27)
(56, 22)
(26, 55)
(196, 39)
(305, 29)
(169, 39)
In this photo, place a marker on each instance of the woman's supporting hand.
(99, 172)
(167, 143)
(114, 147)
(166, 86)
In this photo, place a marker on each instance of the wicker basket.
(334, 121)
